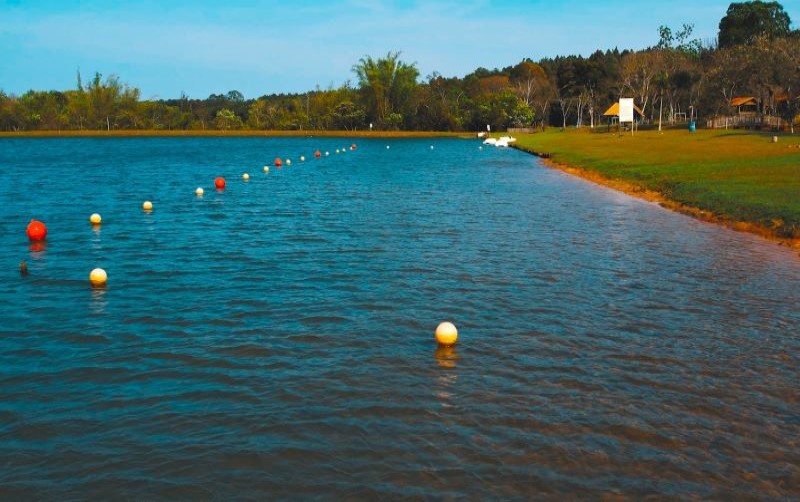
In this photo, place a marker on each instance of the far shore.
(124, 133)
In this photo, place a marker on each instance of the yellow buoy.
(147, 205)
(246, 177)
(98, 277)
(95, 219)
(199, 192)
(446, 333)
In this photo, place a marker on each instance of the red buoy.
(37, 230)
(317, 154)
(278, 162)
(353, 146)
(219, 183)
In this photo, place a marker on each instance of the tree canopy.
(746, 21)
(757, 56)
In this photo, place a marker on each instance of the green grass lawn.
(737, 175)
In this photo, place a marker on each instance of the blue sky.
(165, 47)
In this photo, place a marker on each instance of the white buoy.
(431, 147)
(246, 177)
(337, 150)
(199, 192)
(327, 153)
(387, 147)
(98, 277)
(266, 169)
(288, 162)
(446, 333)
(302, 158)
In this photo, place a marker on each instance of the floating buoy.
(337, 150)
(353, 146)
(278, 162)
(23, 269)
(302, 158)
(288, 162)
(327, 153)
(219, 183)
(431, 147)
(317, 154)
(246, 177)
(199, 192)
(147, 205)
(446, 333)
(266, 169)
(37, 230)
(95, 219)
(387, 147)
(98, 277)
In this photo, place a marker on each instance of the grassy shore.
(233, 133)
(737, 178)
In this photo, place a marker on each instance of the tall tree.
(387, 84)
(746, 21)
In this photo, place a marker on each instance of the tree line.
(756, 54)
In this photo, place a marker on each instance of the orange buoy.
(37, 230)
(317, 154)
(219, 183)
(278, 162)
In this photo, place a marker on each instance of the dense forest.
(756, 55)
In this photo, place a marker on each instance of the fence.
(755, 121)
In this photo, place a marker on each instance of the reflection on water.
(37, 249)
(99, 300)
(273, 340)
(446, 356)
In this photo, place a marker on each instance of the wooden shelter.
(745, 105)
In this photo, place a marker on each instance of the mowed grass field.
(736, 175)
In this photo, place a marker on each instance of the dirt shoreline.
(640, 192)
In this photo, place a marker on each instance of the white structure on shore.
(503, 141)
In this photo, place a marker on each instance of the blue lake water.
(275, 339)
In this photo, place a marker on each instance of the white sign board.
(626, 109)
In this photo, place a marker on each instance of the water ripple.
(275, 340)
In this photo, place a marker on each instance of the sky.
(202, 47)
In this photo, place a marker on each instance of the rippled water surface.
(275, 340)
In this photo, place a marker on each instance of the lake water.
(275, 340)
